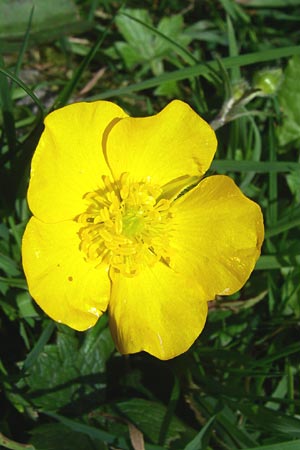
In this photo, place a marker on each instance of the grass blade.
(202, 69)
(287, 445)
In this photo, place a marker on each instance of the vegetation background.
(236, 63)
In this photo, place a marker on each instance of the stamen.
(125, 226)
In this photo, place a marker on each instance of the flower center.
(126, 225)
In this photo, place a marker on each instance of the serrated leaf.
(69, 372)
(172, 27)
(135, 33)
(147, 44)
(289, 99)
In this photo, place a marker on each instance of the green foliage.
(146, 46)
(49, 437)
(289, 99)
(237, 64)
(67, 373)
(15, 16)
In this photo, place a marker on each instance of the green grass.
(238, 386)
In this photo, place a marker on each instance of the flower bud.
(268, 80)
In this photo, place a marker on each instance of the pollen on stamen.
(126, 226)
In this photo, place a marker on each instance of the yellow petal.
(69, 161)
(157, 311)
(217, 236)
(175, 143)
(64, 285)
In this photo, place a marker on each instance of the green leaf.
(24, 86)
(271, 3)
(148, 45)
(169, 89)
(55, 436)
(289, 99)
(136, 34)
(293, 181)
(25, 305)
(287, 445)
(270, 262)
(129, 54)
(231, 165)
(273, 422)
(50, 20)
(171, 27)
(6, 105)
(67, 372)
(9, 266)
(200, 441)
(290, 290)
(68, 89)
(92, 432)
(203, 69)
(148, 416)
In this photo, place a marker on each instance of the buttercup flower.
(123, 221)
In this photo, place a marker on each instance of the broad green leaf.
(50, 20)
(169, 89)
(54, 436)
(273, 422)
(136, 34)
(96, 433)
(8, 265)
(67, 372)
(172, 27)
(148, 45)
(205, 30)
(289, 99)
(80, 427)
(129, 54)
(148, 416)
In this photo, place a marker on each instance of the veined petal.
(69, 161)
(175, 143)
(217, 236)
(64, 285)
(157, 311)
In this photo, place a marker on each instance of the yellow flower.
(115, 228)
